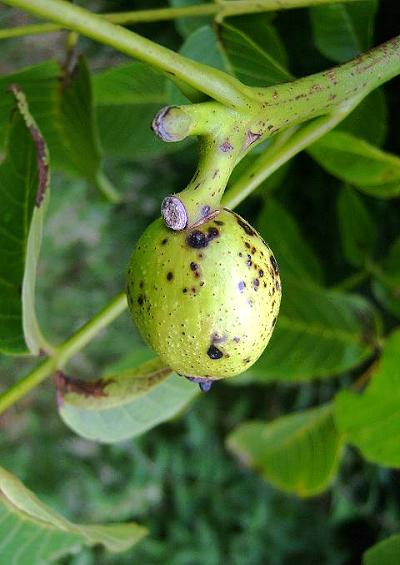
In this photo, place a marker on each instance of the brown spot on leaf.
(66, 385)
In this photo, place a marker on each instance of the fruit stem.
(224, 139)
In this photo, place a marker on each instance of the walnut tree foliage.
(112, 439)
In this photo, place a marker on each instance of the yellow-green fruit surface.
(205, 299)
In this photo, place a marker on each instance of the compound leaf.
(357, 162)
(24, 180)
(386, 552)
(298, 453)
(356, 227)
(371, 421)
(343, 31)
(295, 257)
(127, 97)
(123, 404)
(33, 534)
(249, 60)
(319, 333)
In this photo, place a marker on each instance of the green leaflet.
(255, 55)
(343, 31)
(250, 61)
(193, 48)
(369, 120)
(357, 162)
(188, 25)
(295, 257)
(319, 333)
(127, 98)
(386, 280)
(357, 229)
(39, 83)
(123, 404)
(24, 191)
(62, 105)
(298, 453)
(386, 552)
(371, 420)
(33, 534)
(78, 126)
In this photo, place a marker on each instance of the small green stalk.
(291, 103)
(352, 281)
(293, 142)
(64, 352)
(219, 10)
(214, 83)
(222, 142)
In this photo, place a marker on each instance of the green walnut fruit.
(206, 299)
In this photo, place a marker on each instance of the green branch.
(64, 352)
(284, 105)
(212, 82)
(219, 10)
(278, 154)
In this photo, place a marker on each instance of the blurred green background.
(200, 504)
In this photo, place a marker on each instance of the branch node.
(171, 124)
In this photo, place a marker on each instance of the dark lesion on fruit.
(218, 338)
(128, 294)
(212, 233)
(170, 276)
(141, 299)
(274, 264)
(197, 239)
(164, 241)
(214, 353)
(245, 226)
(195, 268)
